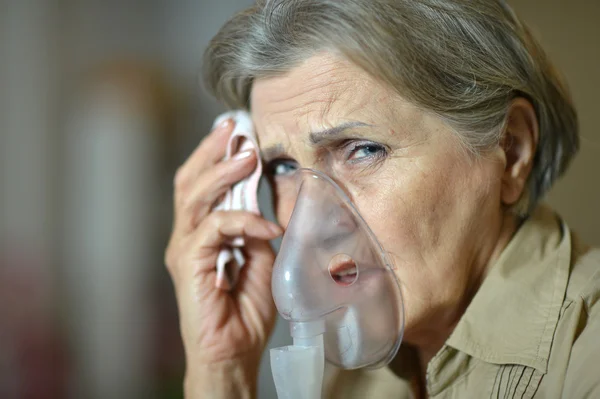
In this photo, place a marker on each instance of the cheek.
(415, 207)
(391, 209)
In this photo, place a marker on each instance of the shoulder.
(584, 279)
(582, 379)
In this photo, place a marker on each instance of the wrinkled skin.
(435, 209)
(439, 211)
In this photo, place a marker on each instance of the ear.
(519, 143)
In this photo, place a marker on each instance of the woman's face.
(435, 208)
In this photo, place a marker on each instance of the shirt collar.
(512, 317)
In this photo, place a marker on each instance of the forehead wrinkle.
(311, 77)
(326, 74)
(320, 109)
(327, 91)
(324, 125)
(316, 96)
(306, 79)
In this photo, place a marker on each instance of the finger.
(256, 277)
(210, 150)
(253, 287)
(218, 227)
(198, 258)
(211, 185)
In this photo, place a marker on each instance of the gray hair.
(465, 61)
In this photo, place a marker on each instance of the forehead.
(322, 92)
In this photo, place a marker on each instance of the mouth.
(343, 270)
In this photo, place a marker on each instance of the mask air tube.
(298, 369)
(333, 283)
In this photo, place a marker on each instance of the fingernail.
(242, 155)
(275, 229)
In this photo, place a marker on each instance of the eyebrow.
(317, 137)
(277, 150)
(272, 152)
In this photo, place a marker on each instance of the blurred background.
(99, 103)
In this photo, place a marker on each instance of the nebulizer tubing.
(351, 323)
(298, 369)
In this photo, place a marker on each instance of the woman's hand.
(224, 332)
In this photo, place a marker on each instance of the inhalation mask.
(335, 285)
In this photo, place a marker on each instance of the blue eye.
(283, 168)
(366, 151)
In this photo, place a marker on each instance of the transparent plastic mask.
(332, 277)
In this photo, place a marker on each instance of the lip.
(343, 270)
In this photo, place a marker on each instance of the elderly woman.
(448, 124)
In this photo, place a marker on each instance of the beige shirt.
(531, 331)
